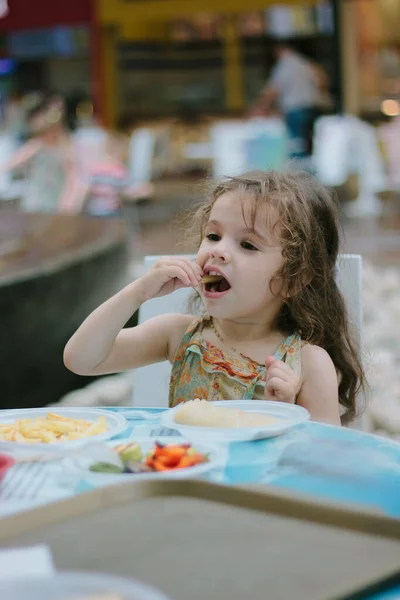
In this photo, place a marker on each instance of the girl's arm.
(319, 391)
(23, 155)
(101, 345)
(75, 189)
(320, 76)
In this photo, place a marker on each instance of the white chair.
(350, 283)
(257, 143)
(152, 382)
(140, 155)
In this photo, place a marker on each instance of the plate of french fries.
(45, 433)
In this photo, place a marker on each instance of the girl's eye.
(213, 237)
(249, 246)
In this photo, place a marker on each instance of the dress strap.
(193, 328)
(290, 352)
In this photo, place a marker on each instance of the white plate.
(291, 415)
(69, 585)
(79, 465)
(116, 425)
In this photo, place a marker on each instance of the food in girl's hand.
(200, 413)
(211, 279)
(163, 457)
(215, 282)
(50, 430)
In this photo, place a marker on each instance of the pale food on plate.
(51, 430)
(200, 413)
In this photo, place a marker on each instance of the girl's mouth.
(215, 286)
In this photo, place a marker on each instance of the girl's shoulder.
(314, 358)
(319, 389)
(178, 325)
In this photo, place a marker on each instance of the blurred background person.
(48, 160)
(14, 122)
(300, 88)
(109, 183)
(89, 141)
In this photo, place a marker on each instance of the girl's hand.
(281, 382)
(170, 273)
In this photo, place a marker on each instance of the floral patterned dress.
(201, 370)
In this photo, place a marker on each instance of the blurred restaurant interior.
(239, 440)
(171, 84)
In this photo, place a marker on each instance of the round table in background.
(54, 270)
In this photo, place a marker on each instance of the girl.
(53, 183)
(275, 325)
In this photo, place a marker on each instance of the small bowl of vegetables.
(145, 458)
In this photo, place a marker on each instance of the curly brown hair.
(308, 219)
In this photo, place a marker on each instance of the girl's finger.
(277, 389)
(281, 365)
(278, 372)
(197, 266)
(203, 262)
(189, 268)
(167, 261)
(175, 272)
(196, 271)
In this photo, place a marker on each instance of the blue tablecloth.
(334, 463)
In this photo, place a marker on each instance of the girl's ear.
(297, 284)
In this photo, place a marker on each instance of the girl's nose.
(220, 252)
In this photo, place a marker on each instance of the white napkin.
(16, 563)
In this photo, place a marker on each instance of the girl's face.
(247, 259)
(47, 120)
(38, 123)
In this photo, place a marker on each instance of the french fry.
(20, 438)
(55, 417)
(75, 435)
(100, 426)
(211, 278)
(46, 436)
(61, 426)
